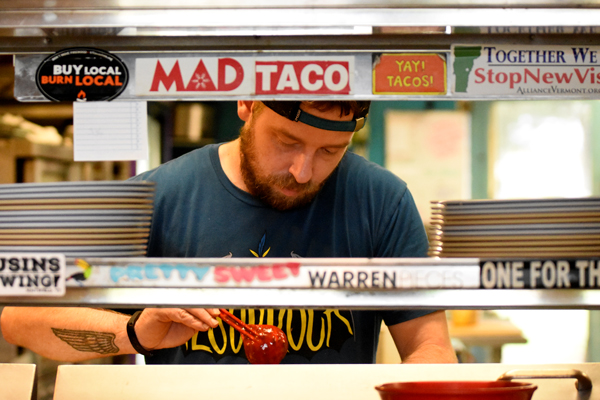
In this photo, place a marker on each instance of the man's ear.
(244, 109)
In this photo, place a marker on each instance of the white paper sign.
(32, 274)
(110, 131)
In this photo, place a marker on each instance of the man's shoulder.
(185, 167)
(367, 174)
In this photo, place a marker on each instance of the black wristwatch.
(133, 337)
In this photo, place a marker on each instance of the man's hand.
(76, 334)
(159, 328)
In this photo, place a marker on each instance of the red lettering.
(69, 79)
(529, 74)
(109, 81)
(98, 80)
(547, 77)
(263, 273)
(167, 80)
(239, 74)
(279, 271)
(560, 78)
(579, 76)
(294, 268)
(117, 81)
(479, 74)
(242, 274)
(200, 80)
(515, 77)
(501, 77)
(221, 274)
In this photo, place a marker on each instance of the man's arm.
(78, 334)
(424, 340)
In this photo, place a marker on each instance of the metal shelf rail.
(425, 283)
(39, 26)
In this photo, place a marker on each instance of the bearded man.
(287, 187)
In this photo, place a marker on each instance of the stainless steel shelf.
(197, 19)
(40, 26)
(418, 283)
(244, 4)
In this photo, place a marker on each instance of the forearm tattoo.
(88, 341)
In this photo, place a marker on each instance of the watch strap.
(133, 337)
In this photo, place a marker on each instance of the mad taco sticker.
(82, 74)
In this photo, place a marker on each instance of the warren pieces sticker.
(82, 74)
(34, 274)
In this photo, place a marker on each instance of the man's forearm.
(424, 340)
(431, 354)
(67, 334)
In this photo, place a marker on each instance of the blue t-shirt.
(362, 210)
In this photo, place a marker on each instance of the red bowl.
(456, 390)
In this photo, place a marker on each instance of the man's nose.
(302, 168)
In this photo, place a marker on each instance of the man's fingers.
(206, 316)
(213, 311)
(199, 319)
(196, 318)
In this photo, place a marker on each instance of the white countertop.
(17, 381)
(292, 382)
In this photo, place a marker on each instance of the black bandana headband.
(291, 110)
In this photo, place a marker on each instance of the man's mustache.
(288, 181)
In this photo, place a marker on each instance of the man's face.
(286, 163)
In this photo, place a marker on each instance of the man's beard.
(263, 187)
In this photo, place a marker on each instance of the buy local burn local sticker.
(81, 75)
(409, 73)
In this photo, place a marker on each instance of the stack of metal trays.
(77, 219)
(516, 228)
